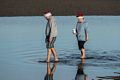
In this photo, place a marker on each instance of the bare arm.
(86, 35)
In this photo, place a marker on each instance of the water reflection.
(50, 71)
(80, 72)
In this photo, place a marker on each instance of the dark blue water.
(22, 46)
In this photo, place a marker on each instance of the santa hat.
(47, 13)
(80, 15)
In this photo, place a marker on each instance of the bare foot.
(47, 61)
(82, 57)
(56, 60)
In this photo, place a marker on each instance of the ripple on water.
(72, 57)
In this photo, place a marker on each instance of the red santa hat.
(80, 15)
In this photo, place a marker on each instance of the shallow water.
(22, 47)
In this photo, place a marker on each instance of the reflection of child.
(49, 77)
(80, 72)
(50, 71)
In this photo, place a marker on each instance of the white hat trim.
(47, 14)
(80, 17)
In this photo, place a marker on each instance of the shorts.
(81, 44)
(50, 44)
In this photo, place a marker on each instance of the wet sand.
(100, 67)
(32, 69)
(59, 7)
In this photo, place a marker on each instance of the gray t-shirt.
(51, 28)
(80, 29)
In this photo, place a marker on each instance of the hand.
(74, 33)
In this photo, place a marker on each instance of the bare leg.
(82, 53)
(53, 68)
(54, 54)
(48, 69)
(48, 55)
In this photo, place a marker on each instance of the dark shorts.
(81, 44)
(50, 44)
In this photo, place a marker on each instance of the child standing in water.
(81, 33)
(51, 34)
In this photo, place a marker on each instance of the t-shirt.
(80, 29)
(51, 28)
